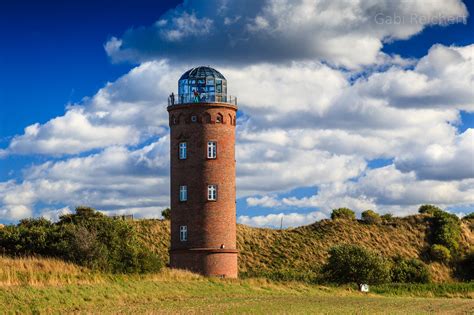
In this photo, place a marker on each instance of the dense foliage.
(428, 209)
(409, 270)
(87, 237)
(355, 264)
(343, 213)
(371, 217)
(445, 232)
(440, 253)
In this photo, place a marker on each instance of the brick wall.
(210, 248)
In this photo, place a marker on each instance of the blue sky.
(57, 57)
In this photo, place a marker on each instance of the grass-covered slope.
(303, 249)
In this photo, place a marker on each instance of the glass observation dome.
(202, 85)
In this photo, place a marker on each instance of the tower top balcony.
(202, 85)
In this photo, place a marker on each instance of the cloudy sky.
(359, 104)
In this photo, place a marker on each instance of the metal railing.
(175, 99)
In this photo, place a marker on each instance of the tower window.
(211, 150)
(182, 150)
(212, 192)
(183, 233)
(193, 118)
(183, 193)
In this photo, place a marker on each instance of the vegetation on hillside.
(354, 264)
(343, 213)
(87, 238)
(100, 243)
(299, 253)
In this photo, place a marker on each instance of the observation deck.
(202, 85)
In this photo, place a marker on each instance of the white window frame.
(212, 149)
(183, 233)
(193, 118)
(212, 192)
(183, 193)
(183, 150)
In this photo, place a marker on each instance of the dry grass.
(38, 272)
(304, 248)
(43, 272)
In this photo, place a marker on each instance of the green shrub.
(87, 237)
(429, 209)
(440, 253)
(387, 217)
(446, 230)
(371, 217)
(166, 214)
(355, 264)
(343, 213)
(409, 271)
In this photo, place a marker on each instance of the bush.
(371, 217)
(446, 230)
(87, 238)
(440, 253)
(166, 214)
(409, 271)
(355, 264)
(387, 217)
(343, 213)
(429, 209)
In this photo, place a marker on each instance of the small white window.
(212, 192)
(182, 151)
(183, 233)
(211, 150)
(183, 193)
(193, 118)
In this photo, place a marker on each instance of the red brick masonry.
(211, 245)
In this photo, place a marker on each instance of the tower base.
(206, 261)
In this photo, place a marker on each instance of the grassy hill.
(302, 250)
(44, 285)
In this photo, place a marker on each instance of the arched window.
(219, 119)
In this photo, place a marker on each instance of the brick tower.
(202, 142)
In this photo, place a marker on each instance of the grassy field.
(185, 295)
(51, 286)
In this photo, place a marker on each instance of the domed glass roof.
(202, 72)
(202, 84)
